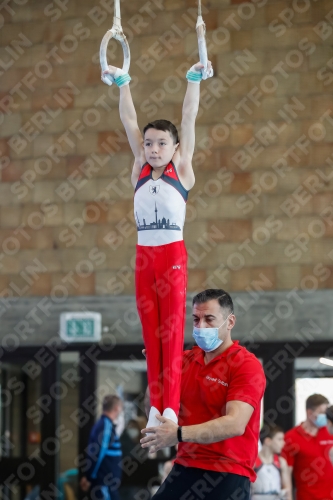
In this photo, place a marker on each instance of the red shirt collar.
(303, 432)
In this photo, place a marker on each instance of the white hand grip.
(201, 32)
(117, 35)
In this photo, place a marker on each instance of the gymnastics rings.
(201, 34)
(115, 32)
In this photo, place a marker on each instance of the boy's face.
(276, 443)
(159, 147)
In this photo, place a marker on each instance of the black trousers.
(99, 492)
(190, 483)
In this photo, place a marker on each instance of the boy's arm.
(286, 479)
(187, 142)
(129, 120)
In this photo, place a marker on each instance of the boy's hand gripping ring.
(115, 32)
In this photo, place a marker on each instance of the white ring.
(117, 35)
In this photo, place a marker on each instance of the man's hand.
(84, 484)
(160, 437)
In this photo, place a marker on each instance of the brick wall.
(260, 214)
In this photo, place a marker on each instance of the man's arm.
(230, 425)
(97, 449)
(92, 453)
(289, 454)
(286, 478)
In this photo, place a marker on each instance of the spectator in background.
(131, 436)
(104, 454)
(307, 452)
(135, 470)
(329, 415)
(273, 477)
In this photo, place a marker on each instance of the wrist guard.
(121, 79)
(193, 75)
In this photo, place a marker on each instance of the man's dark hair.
(329, 413)
(165, 126)
(269, 431)
(218, 294)
(110, 402)
(315, 400)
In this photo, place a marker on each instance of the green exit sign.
(81, 326)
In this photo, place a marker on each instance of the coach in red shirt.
(307, 451)
(219, 418)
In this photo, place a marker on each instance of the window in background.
(311, 377)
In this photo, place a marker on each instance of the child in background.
(273, 478)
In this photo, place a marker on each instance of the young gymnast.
(273, 477)
(162, 177)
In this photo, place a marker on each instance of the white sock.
(152, 420)
(169, 413)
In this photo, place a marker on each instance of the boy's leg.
(171, 287)
(147, 305)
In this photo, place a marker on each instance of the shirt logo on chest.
(154, 189)
(217, 380)
(326, 442)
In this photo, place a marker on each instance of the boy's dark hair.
(269, 431)
(329, 413)
(110, 401)
(218, 294)
(165, 126)
(315, 400)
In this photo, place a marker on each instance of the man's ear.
(234, 321)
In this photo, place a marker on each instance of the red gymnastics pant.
(161, 280)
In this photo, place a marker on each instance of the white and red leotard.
(268, 483)
(161, 279)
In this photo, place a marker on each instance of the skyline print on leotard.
(157, 224)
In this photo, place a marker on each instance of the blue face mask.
(208, 338)
(321, 420)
